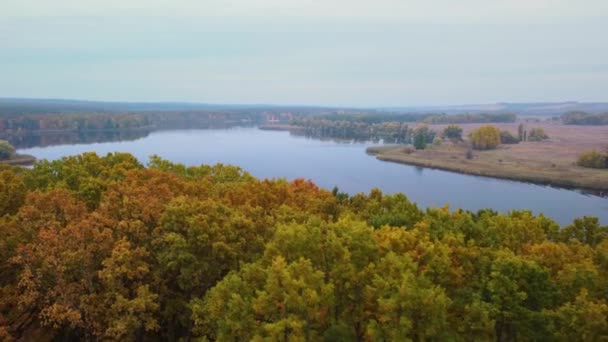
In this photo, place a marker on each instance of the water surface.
(274, 154)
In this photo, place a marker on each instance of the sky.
(313, 52)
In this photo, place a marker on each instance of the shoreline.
(44, 132)
(388, 154)
(20, 160)
(278, 127)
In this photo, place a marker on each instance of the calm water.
(273, 154)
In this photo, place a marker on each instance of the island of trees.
(104, 248)
(8, 155)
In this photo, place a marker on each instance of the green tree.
(423, 136)
(453, 132)
(291, 301)
(537, 134)
(404, 306)
(583, 319)
(586, 230)
(507, 138)
(6, 150)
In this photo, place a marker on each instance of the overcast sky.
(324, 52)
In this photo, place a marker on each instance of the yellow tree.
(485, 138)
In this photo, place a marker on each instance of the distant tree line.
(393, 128)
(83, 122)
(394, 132)
(70, 137)
(389, 132)
(471, 118)
(584, 118)
(371, 118)
(72, 122)
(429, 118)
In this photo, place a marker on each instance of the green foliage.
(390, 127)
(471, 118)
(102, 248)
(583, 118)
(593, 159)
(453, 132)
(485, 138)
(507, 138)
(423, 135)
(586, 230)
(6, 150)
(12, 191)
(537, 134)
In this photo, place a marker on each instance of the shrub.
(485, 138)
(437, 141)
(537, 134)
(507, 138)
(593, 159)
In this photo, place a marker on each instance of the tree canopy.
(453, 132)
(105, 248)
(6, 150)
(485, 138)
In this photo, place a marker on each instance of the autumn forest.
(105, 248)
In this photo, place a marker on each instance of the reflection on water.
(71, 138)
(43, 139)
(348, 138)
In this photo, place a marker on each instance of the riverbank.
(279, 127)
(504, 163)
(11, 133)
(20, 159)
(549, 162)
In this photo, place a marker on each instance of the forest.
(392, 128)
(584, 118)
(12, 125)
(106, 248)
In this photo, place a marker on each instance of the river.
(278, 154)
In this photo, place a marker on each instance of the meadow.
(551, 161)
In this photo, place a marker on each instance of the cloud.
(325, 52)
(361, 9)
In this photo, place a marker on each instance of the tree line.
(11, 125)
(393, 128)
(105, 248)
(72, 122)
(584, 118)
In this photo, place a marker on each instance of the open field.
(552, 161)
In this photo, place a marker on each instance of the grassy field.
(552, 161)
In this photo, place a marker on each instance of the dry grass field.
(551, 161)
